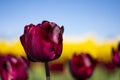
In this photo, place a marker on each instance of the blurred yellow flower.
(12, 47)
(99, 50)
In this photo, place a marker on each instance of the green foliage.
(38, 73)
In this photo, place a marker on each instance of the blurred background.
(91, 26)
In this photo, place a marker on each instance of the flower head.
(57, 67)
(13, 68)
(116, 55)
(42, 42)
(82, 66)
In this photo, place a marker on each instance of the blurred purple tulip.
(116, 55)
(13, 68)
(82, 66)
(56, 67)
(108, 66)
(111, 65)
(4, 74)
(42, 42)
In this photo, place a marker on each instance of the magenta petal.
(4, 75)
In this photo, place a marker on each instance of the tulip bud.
(82, 66)
(42, 42)
(13, 68)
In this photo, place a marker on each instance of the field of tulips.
(101, 52)
(59, 39)
(41, 50)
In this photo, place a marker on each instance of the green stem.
(47, 71)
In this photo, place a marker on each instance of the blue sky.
(79, 17)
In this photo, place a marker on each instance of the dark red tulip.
(13, 68)
(42, 42)
(4, 74)
(56, 67)
(19, 69)
(116, 56)
(108, 66)
(82, 66)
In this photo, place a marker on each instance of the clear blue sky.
(100, 17)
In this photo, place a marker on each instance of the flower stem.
(47, 71)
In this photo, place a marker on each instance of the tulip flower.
(43, 42)
(116, 56)
(13, 68)
(108, 66)
(57, 67)
(111, 65)
(82, 66)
